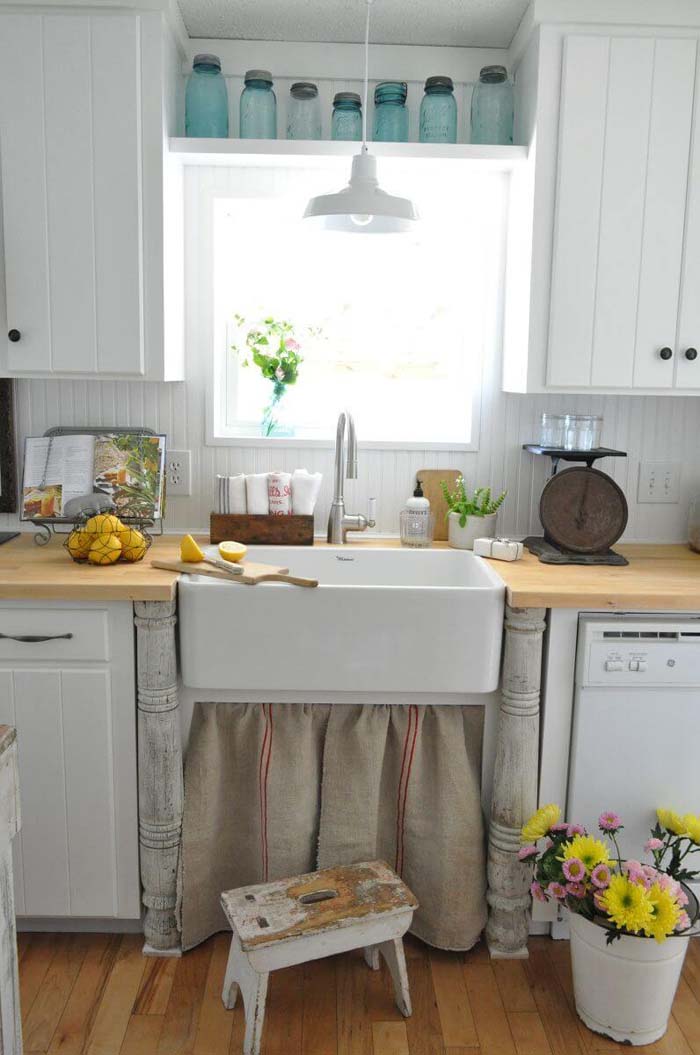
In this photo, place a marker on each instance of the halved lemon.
(190, 551)
(233, 551)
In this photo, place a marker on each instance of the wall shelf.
(288, 152)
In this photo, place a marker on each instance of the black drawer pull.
(666, 353)
(691, 353)
(32, 639)
(14, 336)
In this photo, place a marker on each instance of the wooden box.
(262, 530)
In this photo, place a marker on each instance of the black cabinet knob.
(691, 353)
(14, 335)
(666, 353)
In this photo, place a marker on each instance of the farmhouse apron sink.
(381, 620)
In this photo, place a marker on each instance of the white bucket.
(624, 990)
(475, 527)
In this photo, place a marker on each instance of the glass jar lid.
(304, 90)
(258, 75)
(439, 83)
(493, 75)
(391, 92)
(347, 99)
(206, 60)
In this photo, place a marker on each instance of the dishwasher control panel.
(639, 651)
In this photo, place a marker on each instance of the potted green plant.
(630, 922)
(470, 516)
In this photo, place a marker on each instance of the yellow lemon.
(78, 544)
(190, 551)
(233, 551)
(102, 524)
(105, 549)
(133, 544)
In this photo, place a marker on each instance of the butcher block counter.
(658, 577)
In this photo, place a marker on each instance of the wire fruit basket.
(104, 538)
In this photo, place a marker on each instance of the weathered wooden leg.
(514, 783)
(393, 953)
(10, 1022)
(372, 957)
(160, 773)
(229, 993)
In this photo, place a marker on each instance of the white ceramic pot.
(475, 527)
(624, 990)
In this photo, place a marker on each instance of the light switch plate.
(659, 482)
(178, 472)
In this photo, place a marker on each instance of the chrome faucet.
(340, 522)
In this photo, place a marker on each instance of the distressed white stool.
(308, 917)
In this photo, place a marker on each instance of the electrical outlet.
(659, 482)
(178, 472)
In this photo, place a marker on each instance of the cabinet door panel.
(577, 220)
(665, 204)
(22, 151)
(622, 210)
(8, 716)
(688, 370)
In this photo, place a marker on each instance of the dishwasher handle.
(33, 639)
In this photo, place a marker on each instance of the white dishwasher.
(635, 741)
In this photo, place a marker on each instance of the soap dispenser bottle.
(418, 499)
(416, 521)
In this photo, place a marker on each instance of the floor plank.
(490, 1018)
(35, 965)
(114, 1010)
(215, 1022)
(558, 1018)
(142, 1035)
(456, 1019)
(320, 1015)
(686, 1011)
(50, 1002)
(284, 1013)
(423, 1027)
(528, 1033)
(389, 1038)
(78, 1018)
(513, 985)
(156, 985)
(182, 1013)
(354, 1034)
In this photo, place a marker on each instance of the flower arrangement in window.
(590, 877)
(272, 347)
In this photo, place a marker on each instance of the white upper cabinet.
(82, 168)
(615, 217)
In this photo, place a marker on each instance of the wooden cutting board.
(430, 482)
(253, 572)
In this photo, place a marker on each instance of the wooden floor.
(97, 995)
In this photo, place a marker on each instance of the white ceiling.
(466, 23)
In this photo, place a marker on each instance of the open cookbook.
(67, 474)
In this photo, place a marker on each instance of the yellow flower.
(692, 826)
(671, 821)
(589, 850)
(540, 823)
(666, 913)
(627, 904)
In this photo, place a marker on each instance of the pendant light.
(362, 206)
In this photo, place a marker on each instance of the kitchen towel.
(256, 494)
(231, 497)
(279, 493)
(305, 489)
(274, 790)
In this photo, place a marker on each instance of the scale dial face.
(583, 510)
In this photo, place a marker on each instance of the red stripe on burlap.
(409, 750)
(263, 775)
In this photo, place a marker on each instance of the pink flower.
(560, 828)
(634, 870)
(575, 829)
(577, 890)
(548, 844)
(556, 890)
(291, 345)
(537, 892)
(574, 869)
(526, 852)
(609, 821)
(601, 876)
(653, 844)
(683, 921)
(599, 902)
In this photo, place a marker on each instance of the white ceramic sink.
(381, 620)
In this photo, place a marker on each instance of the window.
(394, 328)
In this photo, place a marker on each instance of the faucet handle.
(372, 512)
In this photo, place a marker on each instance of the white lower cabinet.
(77, 854)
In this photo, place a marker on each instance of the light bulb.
(361, 219)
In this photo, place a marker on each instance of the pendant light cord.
(366, 87)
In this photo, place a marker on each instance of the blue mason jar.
(492, 107)
(206, 99)
(346, 122)
(390, 113)
(303, 111)
(258, 106)
(438, 112)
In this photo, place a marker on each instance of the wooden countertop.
(658, 577)
(661, 577)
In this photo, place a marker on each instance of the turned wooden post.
(10, 1022)
(160, 773)
(515, 782)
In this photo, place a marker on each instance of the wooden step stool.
(308, 917)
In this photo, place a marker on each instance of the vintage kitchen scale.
(582, 510)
